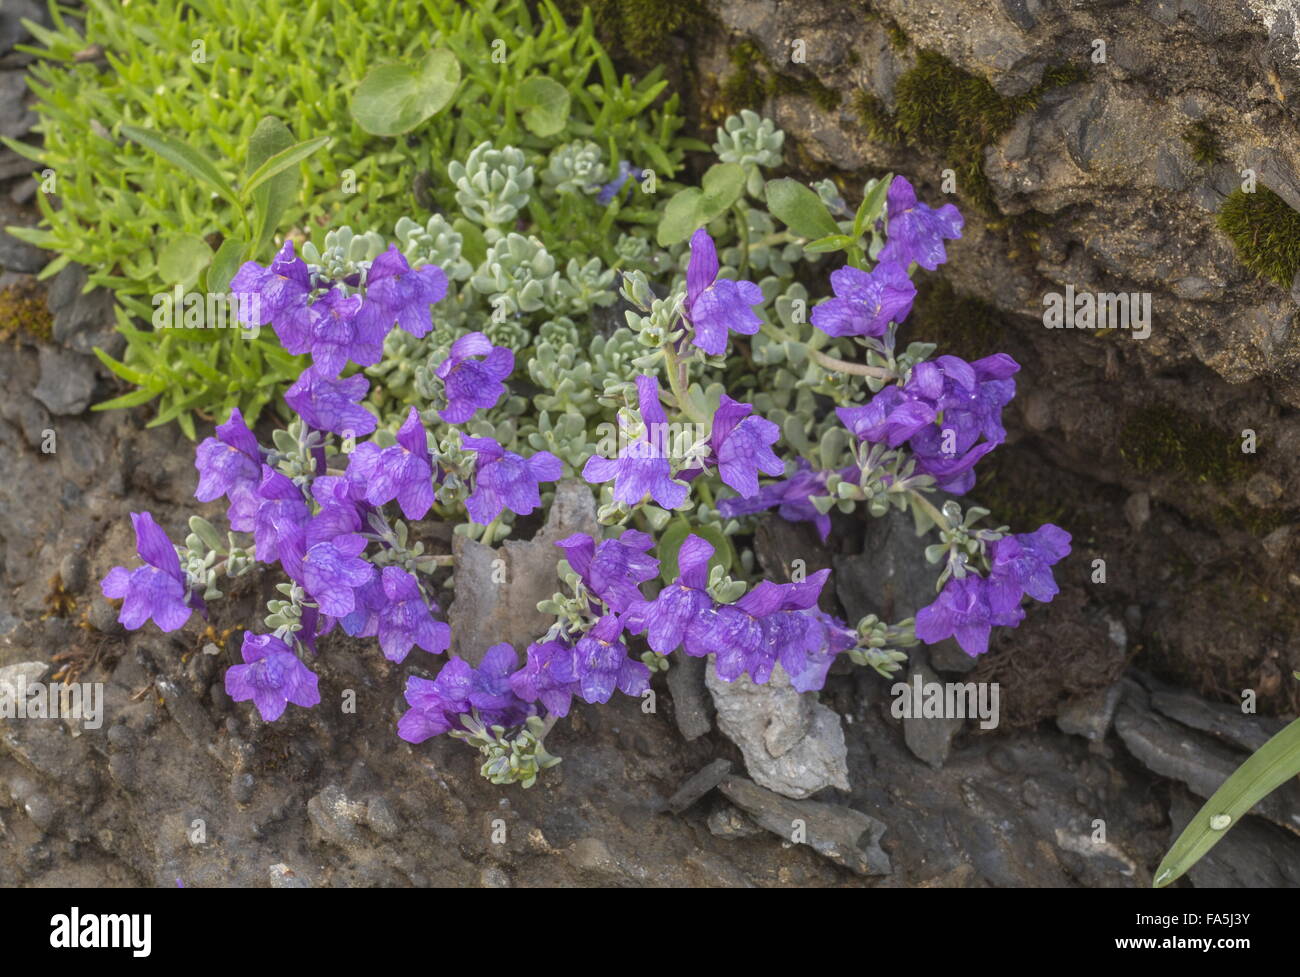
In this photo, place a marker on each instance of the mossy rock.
(756, 79)
(964, 325)
(643, 29)
(1265, 230)
(1167, 441)
(938, 106)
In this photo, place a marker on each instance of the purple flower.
(505, 480)
(339, 333)
(272, 677)
(397, 293)
(891, 417)
(865, 303)
(614, 570)
(714, 305)
(403, 471)
(549, 675)
(943, 411)
(792, 496)
(670, 615)
(610, 190)
(962, 609)
(230, 464)
(741, 443)
(641, 468)
(158, 590)
(438, 705)
(332, 568)
(470, 383)
(278, 295)
(772, 622)
(407, 620)
(369, 604)
(331, 405)
(1022, 564)
(915, 231)
(967, 399)
(602, 664)
(279, 527)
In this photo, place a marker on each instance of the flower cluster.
(691, 461)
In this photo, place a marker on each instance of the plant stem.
(742, 232)
(844, 366)
(677, 382)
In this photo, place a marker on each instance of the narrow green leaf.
(873, 205)
(1272, 765)
(833, 242)
(186, 157)
(281, 161)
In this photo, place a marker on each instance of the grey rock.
(892, 579)
(283, 877)
(12, 15)
(103, 616)
(72, 572)
(1199, 761)
(593, 855)
(487, 611)
(67, 381)
(1226, 722)
(17, 255)
(690, 703)
(930, 738)
(336, 816)
(188, 712)
(1137, 510)
(82, 320)
(731, 823)
(21, 675)
(16, 119)
(791, 743)
(843, 835)
(699, 784)
(1090, 715)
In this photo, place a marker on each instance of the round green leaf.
(680, 218)
(722, 186)
(545, 103)
(800, 209)
(395, 98)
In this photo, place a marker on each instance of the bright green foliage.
(144, 216)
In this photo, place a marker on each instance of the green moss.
(897, 39)
(1165, 440)
(1265, 231)
(1257, 522)
(1203, 143)
(641, 28)
(23, 309)
(963, 325)
(940, 106)
(881, 126)
(756, 79)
